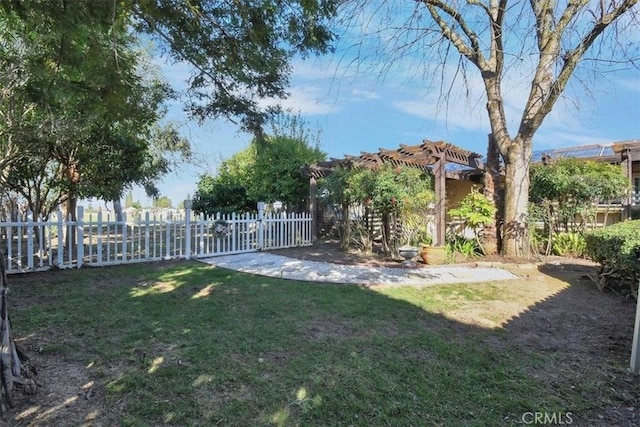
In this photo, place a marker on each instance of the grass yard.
(183, 343)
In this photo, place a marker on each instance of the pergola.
(430, 156)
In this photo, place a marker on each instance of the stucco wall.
(457, 190)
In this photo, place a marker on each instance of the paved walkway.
(266, 264)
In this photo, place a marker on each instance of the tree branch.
(496, 13)
(472, 52)
(573, 56)
(569, 13)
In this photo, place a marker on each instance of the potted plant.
(433, 255)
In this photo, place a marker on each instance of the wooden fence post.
(80, 235)
(167, 236)
(99, 238)
(187, 224)
(260, 225)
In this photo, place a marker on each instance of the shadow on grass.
(183, 343)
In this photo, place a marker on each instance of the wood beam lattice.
(423, 156)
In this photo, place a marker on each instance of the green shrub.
(569, 244)
(469, 248)
(615, 248)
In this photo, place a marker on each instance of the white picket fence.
(98, 239)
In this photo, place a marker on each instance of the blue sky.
(358, 107)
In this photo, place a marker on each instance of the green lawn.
(185, 343)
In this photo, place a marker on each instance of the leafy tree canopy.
(240, 51)
(81, 105)
(567, 189)
(162, 202)
(387, 188)
(227, 191)
(269, 170)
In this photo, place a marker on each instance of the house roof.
(603, 152)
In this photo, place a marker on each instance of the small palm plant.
(475, 210)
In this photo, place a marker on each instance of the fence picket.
(167, 238)
(40, 242)
(187, 222)
(60, 239)
(10, 244)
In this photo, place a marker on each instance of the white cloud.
(313, 69)
(629, 84)
(177, 74)
(453, 115)
(554, 138)
(311, 100)
(360, 94)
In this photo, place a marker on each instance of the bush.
(616, 249)
(569, 244)
(469, 248)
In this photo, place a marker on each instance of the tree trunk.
(515, 237)
(368, 224)
(491, 236)
(345, 237)
(386, 233)
(11, 366)
(117, 209)
(70, 209)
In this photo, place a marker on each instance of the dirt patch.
(329, 251)
(66, 396)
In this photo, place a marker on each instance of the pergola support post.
(313, 209)
(627, 166)
(441, 201)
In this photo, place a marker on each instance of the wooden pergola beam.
(454, 154)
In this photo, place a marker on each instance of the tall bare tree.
(545, 40)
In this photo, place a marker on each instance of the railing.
(634, 199)
(97, 239)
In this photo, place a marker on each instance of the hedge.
(616, 248)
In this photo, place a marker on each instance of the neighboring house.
(623, 153)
